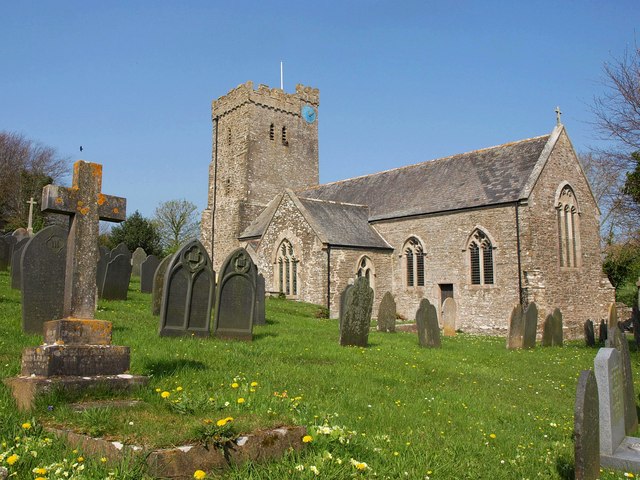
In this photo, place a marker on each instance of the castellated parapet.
(265, 96)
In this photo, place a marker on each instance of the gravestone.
(236, 297)
(344, 299)
(516, 328)
(427, 323)
(12, 243)
(77, 353)
(116, 278)
(530, 326)
(139, 256)
(354, 328)
(187, 294)
(103, 260)
(618, 340)
(449, 317)
(16, 271)
(387, 314)
(147, 272)
(158, 285)
(121, 249)
(552, 330)
(589, 334)
(612, 320)
(603, 333)
(617, 451)
(261, 292)
(586, 430)
(5, 252)
(20, 234)
(43, 268)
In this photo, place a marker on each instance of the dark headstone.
(530, 326)
(427, 322)
(139, 256)
(449, 317)
(344, 299)
(618, 340)
(387, 314)
(158, 285)
(187, 295)
(636, 326)
(12, 243)
(116, 278)
(603, 332)
(589, 334)
(587, 428)
(103, 260)
(354, 328)
(552, 330)
(5, 253)
(20, 234)
(260, 317)
(516, 328)
(16, 271)
(147, 272)
(121, 249)
(236, 297)
(43, 267)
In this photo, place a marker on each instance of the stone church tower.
(264, 141)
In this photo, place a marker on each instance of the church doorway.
(446, 291)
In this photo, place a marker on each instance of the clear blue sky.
(400, 82)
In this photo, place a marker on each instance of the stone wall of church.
(444, 237)
(583, 292)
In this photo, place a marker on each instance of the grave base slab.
(626, 457)
(75, 360)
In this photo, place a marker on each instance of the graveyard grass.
(471, 409)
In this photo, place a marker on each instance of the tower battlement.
(266, 96)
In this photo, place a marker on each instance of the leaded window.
(414, 262)
(568, 228)
(481, 259)
(287, 265)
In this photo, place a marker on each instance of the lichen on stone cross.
(86, 205)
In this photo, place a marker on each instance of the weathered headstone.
(139, 256)
(236, 297)
(121, 249)
(552, 330)
(16, 271)
(20, 234)
(618, 340)
(612, 320)
(587, 428)
(12, 243)
(344, 299)
(516, 328)
(188, 292)
(354, 328)
(147, 272)
(5, 253)
(387, 314)
(117, 278)
(530, 326)
(427, 323)
(43, 268)
(589, 334)
(103, 260)
(449, 317)
(158, 285)
(261, 291)
(603, 333)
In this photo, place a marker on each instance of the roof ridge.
(331, 201)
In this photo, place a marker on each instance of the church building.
(492, 228)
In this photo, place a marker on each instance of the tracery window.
(287, 269)
(481, 259)
(365, 269)
(568, 228)
(414, 262)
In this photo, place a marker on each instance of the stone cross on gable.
(86, 205)
(558, 114)
(31, 203)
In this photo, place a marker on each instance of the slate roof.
(482, 177)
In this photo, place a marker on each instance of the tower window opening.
(272, 132)
(285, 142)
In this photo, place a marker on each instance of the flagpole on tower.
(281, 78)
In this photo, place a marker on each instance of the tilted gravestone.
(344, 299)
(530, 326)
(603, 332)
(261, 291)
(449, 317)
(354, 328)
(43, 268)
(187, 296)
(236, 297)
(103, 260)
(387, 314)
(139, 256)
(16, 271)
(617, 451)
(612, 320)
(121, 249)
(5, 253)
(552, 331)
(158, 285)
(618, 340)
(516, 328)
(116, 278)
(427, 323)
(147, 272)
(586, 428)
(589, 334)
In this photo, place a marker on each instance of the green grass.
(469, 410)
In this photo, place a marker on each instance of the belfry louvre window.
(568, 228)
(284, 136)
(481, 259)
(287, 269)
(414, 262)
(272, 132)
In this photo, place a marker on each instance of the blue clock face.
(309, 114)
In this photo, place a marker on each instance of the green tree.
(136, 231)
(177, 222)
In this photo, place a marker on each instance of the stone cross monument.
(31, 203)
(77, 351)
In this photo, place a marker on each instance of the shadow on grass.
(260, 336)
(270, 321)
(566, 468)
(166, 368)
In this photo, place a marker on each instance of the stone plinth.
(74, 360)
(77, 332)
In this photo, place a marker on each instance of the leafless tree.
(177, 221)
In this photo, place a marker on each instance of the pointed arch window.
(287, 265)
(481, 259)
(568, 218)
(414, 262)
(365, 269)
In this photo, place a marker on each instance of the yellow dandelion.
(165, 394)
(222, 422)
(179, 389)
(39, 471)
(492, 435)
(80, 459)
(307, 439)
(103, 459)
(158, 390)
(254, 384)
(41, 478)
(26, 425)
(12, 459)
(241, 400)
(234, 385)
(199, 474)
